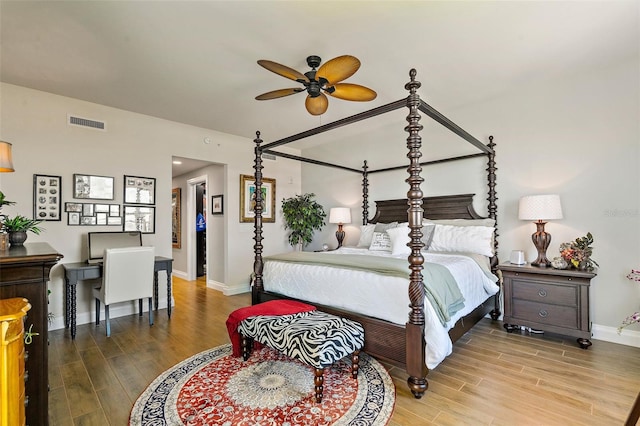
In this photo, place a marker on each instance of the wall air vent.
(88, 123)
(268, 157)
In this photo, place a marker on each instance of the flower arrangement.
(577, 253)
(635, 317)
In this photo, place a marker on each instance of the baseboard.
(179, 274)
(610, 334)
(216, 285)
(238, 289)
(228, 290)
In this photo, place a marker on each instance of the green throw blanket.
(440, 287)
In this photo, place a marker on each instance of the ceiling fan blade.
(353, 92)
(317, 105)
(338, 69)
(282, 70)
(279, 93)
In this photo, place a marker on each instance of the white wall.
(578, 137)
(134, 144)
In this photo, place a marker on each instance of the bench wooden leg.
(247, 345)
(355, 364)
(318, 381)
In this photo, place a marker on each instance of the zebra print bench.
(314, 338)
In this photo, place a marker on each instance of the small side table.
(553, 300)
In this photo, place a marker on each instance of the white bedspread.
(382, 297)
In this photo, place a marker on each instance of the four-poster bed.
(398, 343)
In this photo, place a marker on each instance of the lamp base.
(340, 235)
(541, 240)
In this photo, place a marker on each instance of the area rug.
(215, 388)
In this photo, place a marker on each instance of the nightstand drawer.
(543, 313)
(545, 293)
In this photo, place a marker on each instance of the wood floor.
(492, 378)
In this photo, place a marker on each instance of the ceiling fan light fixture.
(326, 79)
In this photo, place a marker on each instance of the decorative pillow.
(472, 239)
(381, 227)
(380, 242)
(366, 235)
(427, 235)
(399, 237)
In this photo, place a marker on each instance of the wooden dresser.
(12, 313)
(547, 299)
(24, 273)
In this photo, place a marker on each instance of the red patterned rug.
(215, 388)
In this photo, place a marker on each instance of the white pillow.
(381, 227)
(366, 235)
(399, 239)
(380, 242)
(472, 239)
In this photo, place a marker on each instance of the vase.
(17, 238)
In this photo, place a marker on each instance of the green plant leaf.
(302, 215)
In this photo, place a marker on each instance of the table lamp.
(340, 215)
(6, 160)
(540, 208)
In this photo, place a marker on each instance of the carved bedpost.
(257, 223)
(415, 342)
(492, 198)
(493, 214)
(365, 193)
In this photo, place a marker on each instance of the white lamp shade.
(340, 215)
(540, 207)
(6, 161)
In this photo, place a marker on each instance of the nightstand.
(553, 300)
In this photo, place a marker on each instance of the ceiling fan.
(325, 79)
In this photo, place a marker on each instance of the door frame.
(191, 229)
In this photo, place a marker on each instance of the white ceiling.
(194, 62)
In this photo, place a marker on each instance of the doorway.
(201, 229)
(196, 228)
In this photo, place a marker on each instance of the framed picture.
(139, 190)
(248, 199)
(101, 218)
(176, 213)
(114, 220)
(73, 218)
(217, 204)
(139, 218)
(87, 209)
(92, 187)
(73, 207)
(47, 197)
(87, 220)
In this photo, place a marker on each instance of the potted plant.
(303, 215)
(18, 226)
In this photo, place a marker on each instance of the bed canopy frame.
(396, 344)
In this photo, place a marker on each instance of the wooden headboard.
(441, 207)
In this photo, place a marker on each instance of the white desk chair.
(127, 275)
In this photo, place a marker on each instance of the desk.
(79, 271)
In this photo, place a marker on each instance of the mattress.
(382, 296)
